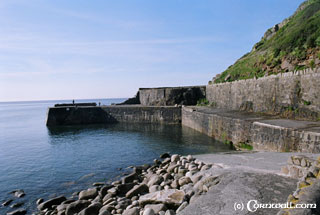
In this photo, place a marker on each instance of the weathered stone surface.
(139, 189)
(155, 180)
(156, 207)
(182, 206)
(76, 207)
(111, 114)
(129, 178)
(148, 211)
(168, 197)
(270, 93)
(104, 190)
(170, 212)
(104, 213)
(221, 198)
(131, 211)
(171, 95)
(184, 180)
(48, 204)
(262, 133)
(122, 189)
(93, 209)
(88, 194)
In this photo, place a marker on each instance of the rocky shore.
(204, 184)
(165, 188)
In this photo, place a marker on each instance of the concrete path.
(244, 177)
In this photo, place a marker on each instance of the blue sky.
(109, 48)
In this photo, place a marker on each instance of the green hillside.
(293, 44)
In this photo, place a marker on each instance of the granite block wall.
(58, 116)
(276, 93)
(169, 96)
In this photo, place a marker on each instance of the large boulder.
(88, 194)
(171, 197)
(156, 207)
(138, 189)
(48, 204)
(93, 209)
(131, 211)
(76, 207)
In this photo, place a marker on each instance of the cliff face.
(293, 44)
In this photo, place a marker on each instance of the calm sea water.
(46, 163)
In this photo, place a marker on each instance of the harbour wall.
(261, 132)
(57, 116)
(293, 91)
(169, 96)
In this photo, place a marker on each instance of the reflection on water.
(171, 136)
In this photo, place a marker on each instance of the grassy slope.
(295, 42)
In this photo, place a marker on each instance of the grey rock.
(182, 206)
(130, 178)
(88, 194)
(104, 213)
(104, 190)
(108, 208)
(48, 204)
(98, 184)
(175, 158)
(16, 205)
(107, 197)
(122, 189)
(184, 180)
(154, 188)
(6, 203)
(18, 212)
(138, 189)
(19, 193)
(76, 207)
(155, 180)
(39, 201)
(156, 207)
(170, 212)
(113, 191)
(148, 211)
(172, 197)
(93, 209)
(164, 155)
(131, 211)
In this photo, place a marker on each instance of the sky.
(80, 49)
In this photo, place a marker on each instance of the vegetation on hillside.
(291, 45)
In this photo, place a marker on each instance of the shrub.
(318, 41)
(202, 102)
(306, 102)
(312, 64)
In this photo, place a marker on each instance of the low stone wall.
(307, 170)
(166, 96)
(259, 131)
(297, 92)
(110, 114)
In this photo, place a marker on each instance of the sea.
(48, 162)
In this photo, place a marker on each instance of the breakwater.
(71, 115)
